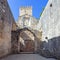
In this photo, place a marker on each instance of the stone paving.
(26, 57)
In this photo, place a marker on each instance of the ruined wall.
(5, 28)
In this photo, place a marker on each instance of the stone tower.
(25, 19)
(25, 11)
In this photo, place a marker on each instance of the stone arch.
(26, 42)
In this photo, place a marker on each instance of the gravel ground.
(26, 57)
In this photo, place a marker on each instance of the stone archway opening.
(26, 42)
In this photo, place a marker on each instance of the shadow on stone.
(50, 49)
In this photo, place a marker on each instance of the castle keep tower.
(25, 18)
(25, 11)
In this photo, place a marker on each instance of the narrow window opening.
(51, 5)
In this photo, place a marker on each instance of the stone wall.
(29, 22)
(14, 42)
(50, 22)
(6, 19)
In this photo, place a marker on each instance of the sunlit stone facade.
(25, 10)
(50, 20)
(26, 19)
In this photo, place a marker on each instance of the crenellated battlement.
(25, 11)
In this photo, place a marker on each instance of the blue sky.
(37, 6)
